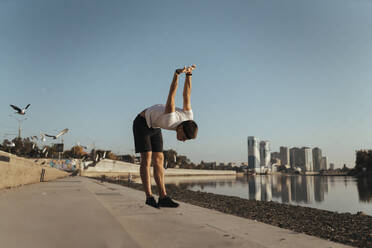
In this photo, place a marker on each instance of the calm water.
(341, 194)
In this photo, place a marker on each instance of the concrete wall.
(16, 171)
(111, 167)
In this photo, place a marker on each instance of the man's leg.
(158, 161)
(145, 172)
(164, 200)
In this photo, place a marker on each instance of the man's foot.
(167, 202)
(151, 202)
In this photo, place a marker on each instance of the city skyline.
(261, 158)
(295, 71)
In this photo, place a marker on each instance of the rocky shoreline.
(346, 228)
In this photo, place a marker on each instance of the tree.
(75, 152)
(363, 161)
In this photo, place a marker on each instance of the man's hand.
(182, 70)
(190, 69)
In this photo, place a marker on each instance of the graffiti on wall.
(63, 164)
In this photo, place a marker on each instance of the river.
(334, 193)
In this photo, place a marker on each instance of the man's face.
(180, 134)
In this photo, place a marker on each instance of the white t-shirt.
(156, 118)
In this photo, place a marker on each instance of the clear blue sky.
(296, 73)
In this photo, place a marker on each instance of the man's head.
(187, 130)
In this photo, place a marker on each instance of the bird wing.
(15, 108)
(52, 136)
(62, 132)
(28, 105)
(42, 137)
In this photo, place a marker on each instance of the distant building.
(294, 157)
(284, 156)
(331, 166)
(275, 155)
(128, 158)
(305, 162)
(324, 164)
(265, 155)
(253, 154)
(317, 159)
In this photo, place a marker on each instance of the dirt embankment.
(16, 171)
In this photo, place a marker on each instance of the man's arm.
(170, 106)
(187, 93)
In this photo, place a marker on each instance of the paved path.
(81, 212)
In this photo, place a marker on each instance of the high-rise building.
(294, 157)
(265, 155)
(275, 155)
(317, 159)
(332, 166)
(284, 155)
(253, 154)
(323, 164)
(305, 159)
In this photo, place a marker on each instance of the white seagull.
(42, 137)
(20, 111)
(56, 136)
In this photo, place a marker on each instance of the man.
(148, 139)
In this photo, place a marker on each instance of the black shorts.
(146, 139)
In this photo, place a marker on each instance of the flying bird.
(42, 137)
(20, 111)
(56, 136)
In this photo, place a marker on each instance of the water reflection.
(301, 189)
(345, 194)
(365, 189)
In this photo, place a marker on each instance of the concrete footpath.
(82, 212)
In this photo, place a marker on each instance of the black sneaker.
(151, 202)
(167, 202)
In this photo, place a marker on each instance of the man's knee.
(158, 158)
(146, 158)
